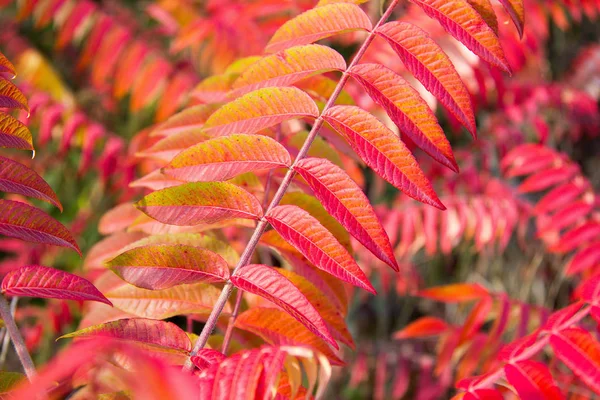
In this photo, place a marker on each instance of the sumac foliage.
(281, 195)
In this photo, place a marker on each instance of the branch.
(262, 225)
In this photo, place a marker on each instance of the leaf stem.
(287, 180)
(17, 339)
(234, 314)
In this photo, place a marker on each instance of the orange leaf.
(426, 60)
(288, 66)
(383, 151)
(458, 292)
(319, 23)
(279, 328)
(6, 65)
(406, 109)
(461, 20)
(425, 326)
(11, 96)
(516, 10)
(225, 157)
(261, 109)
(14, 134)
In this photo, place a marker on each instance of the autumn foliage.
(299, 199)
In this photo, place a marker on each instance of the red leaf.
(577, 237)
(17, 178)
(581, 353)
(425, 326)
(547, 178)
(406, 109)
(225, 157)
(383, 151)
(317, 244)
(25, 222)
(268, 283)
(11, 96)
(559, 197)
(566, 216)
(261, 109)
(589, 291)
(196, 203)
(516, 10)
(161, 266)
(14, 134)
(319, 23)
(460, 20)
(432, 67)
(155, 334)
(50, 283)
(532, 380)
(458, 292)
(346, 202)
(585, 259)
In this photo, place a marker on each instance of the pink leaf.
(197, 203)
(268, 283)
(155, 334)
(161, 266)
(317, 244)
(17, 178)
(38, 281)
(25, 222)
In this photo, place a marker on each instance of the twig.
(17, 339)
(5, 336)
